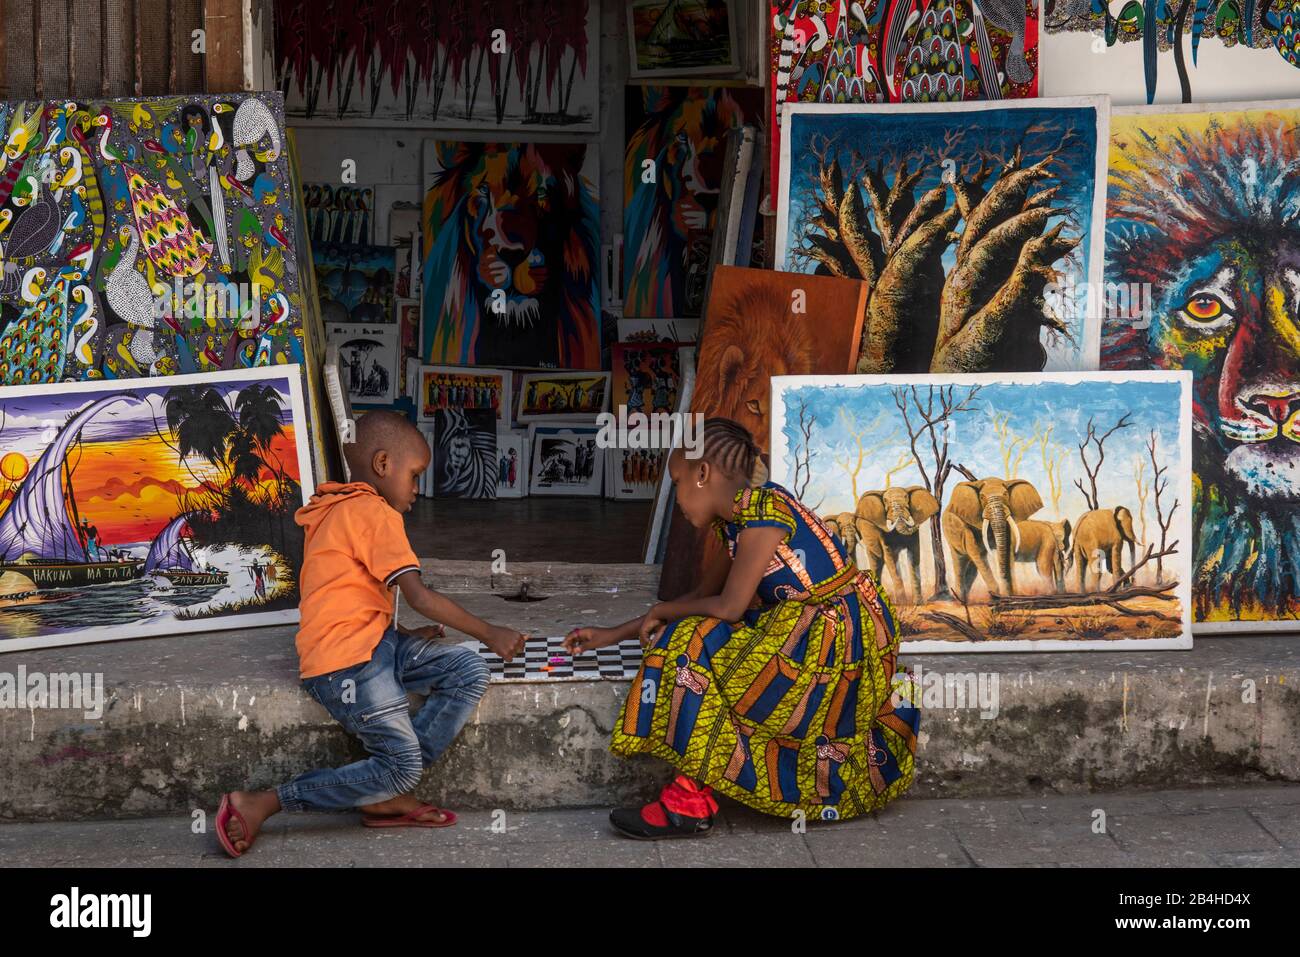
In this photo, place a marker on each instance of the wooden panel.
(224, 22)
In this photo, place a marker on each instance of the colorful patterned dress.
(791, 707)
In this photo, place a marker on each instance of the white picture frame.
(569, 387)
(139, 415)
(369, 355)
(730, 67)
(515, 440)
(499, 381)
(551, 462)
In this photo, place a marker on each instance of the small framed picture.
(340, 407)
(512, 463)
(658, 330)
(464, 453)
(408, 321)
(671, 38)
(633, 474)
(463, 387)
(566, 460)
(368, 355)
(563, 396)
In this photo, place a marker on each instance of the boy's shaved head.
(380, 431)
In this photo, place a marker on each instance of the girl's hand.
(429, 631)
(650, 629)
(586, 639)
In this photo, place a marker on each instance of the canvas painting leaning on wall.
(1004, 511)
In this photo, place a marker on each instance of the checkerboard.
(615, 661)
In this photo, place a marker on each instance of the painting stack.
(1003, 291)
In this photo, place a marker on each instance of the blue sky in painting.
(838, 410)
(29, 422)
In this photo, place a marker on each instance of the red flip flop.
(410, 819)
(224, 813)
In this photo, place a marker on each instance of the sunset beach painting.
(150, 507)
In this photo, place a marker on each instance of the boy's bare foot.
(404, 804)
(255, 807)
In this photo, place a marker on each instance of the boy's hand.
(506, 642)
(429, 631)
(586, 639)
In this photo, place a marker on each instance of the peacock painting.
(120, 218)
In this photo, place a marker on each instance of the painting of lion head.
(760, 323)
(511, 234)
(1205, 216)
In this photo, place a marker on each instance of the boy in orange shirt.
(355, 662)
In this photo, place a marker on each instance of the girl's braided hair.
(729, 447)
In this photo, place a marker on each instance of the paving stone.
(1261, 859)
(1223, 831)
(754, 850)
(1282, 822)
(616, 852)
(993, 845)
(898, 846)
(1205, 799)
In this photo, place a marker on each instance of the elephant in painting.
(845, 526)
(982, 522)
(1046, 545)
(1099, 539)
(888, 520)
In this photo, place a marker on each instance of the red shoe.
(684, 809)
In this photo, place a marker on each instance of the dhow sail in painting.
(38, 533)
(171, 557)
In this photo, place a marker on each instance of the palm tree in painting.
(201, 422)
(258, 408)
(234, 433)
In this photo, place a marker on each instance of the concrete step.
(542, 578)
(189, 717)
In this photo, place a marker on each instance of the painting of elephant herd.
(1004, 511)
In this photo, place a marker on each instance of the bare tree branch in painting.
(1148, 555)
(861, 452)
(1011, 446)
(803, 453)
(1159, 484)
(1053, 457)
(1092, 470)
(904, 460)
(933, 416)
(1143, 491)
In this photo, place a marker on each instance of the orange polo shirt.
(356, 548)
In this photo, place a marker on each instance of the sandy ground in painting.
(1075, 623)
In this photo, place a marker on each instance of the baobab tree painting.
(999, 510)
(976, 228)
(496, 64)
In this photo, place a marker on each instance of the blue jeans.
(369, 700)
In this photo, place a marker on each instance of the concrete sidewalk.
(1240, 827)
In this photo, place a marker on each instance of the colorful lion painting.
(1204, 215)
(511, 233)
(672, 177)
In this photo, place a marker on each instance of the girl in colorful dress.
(772, 682)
